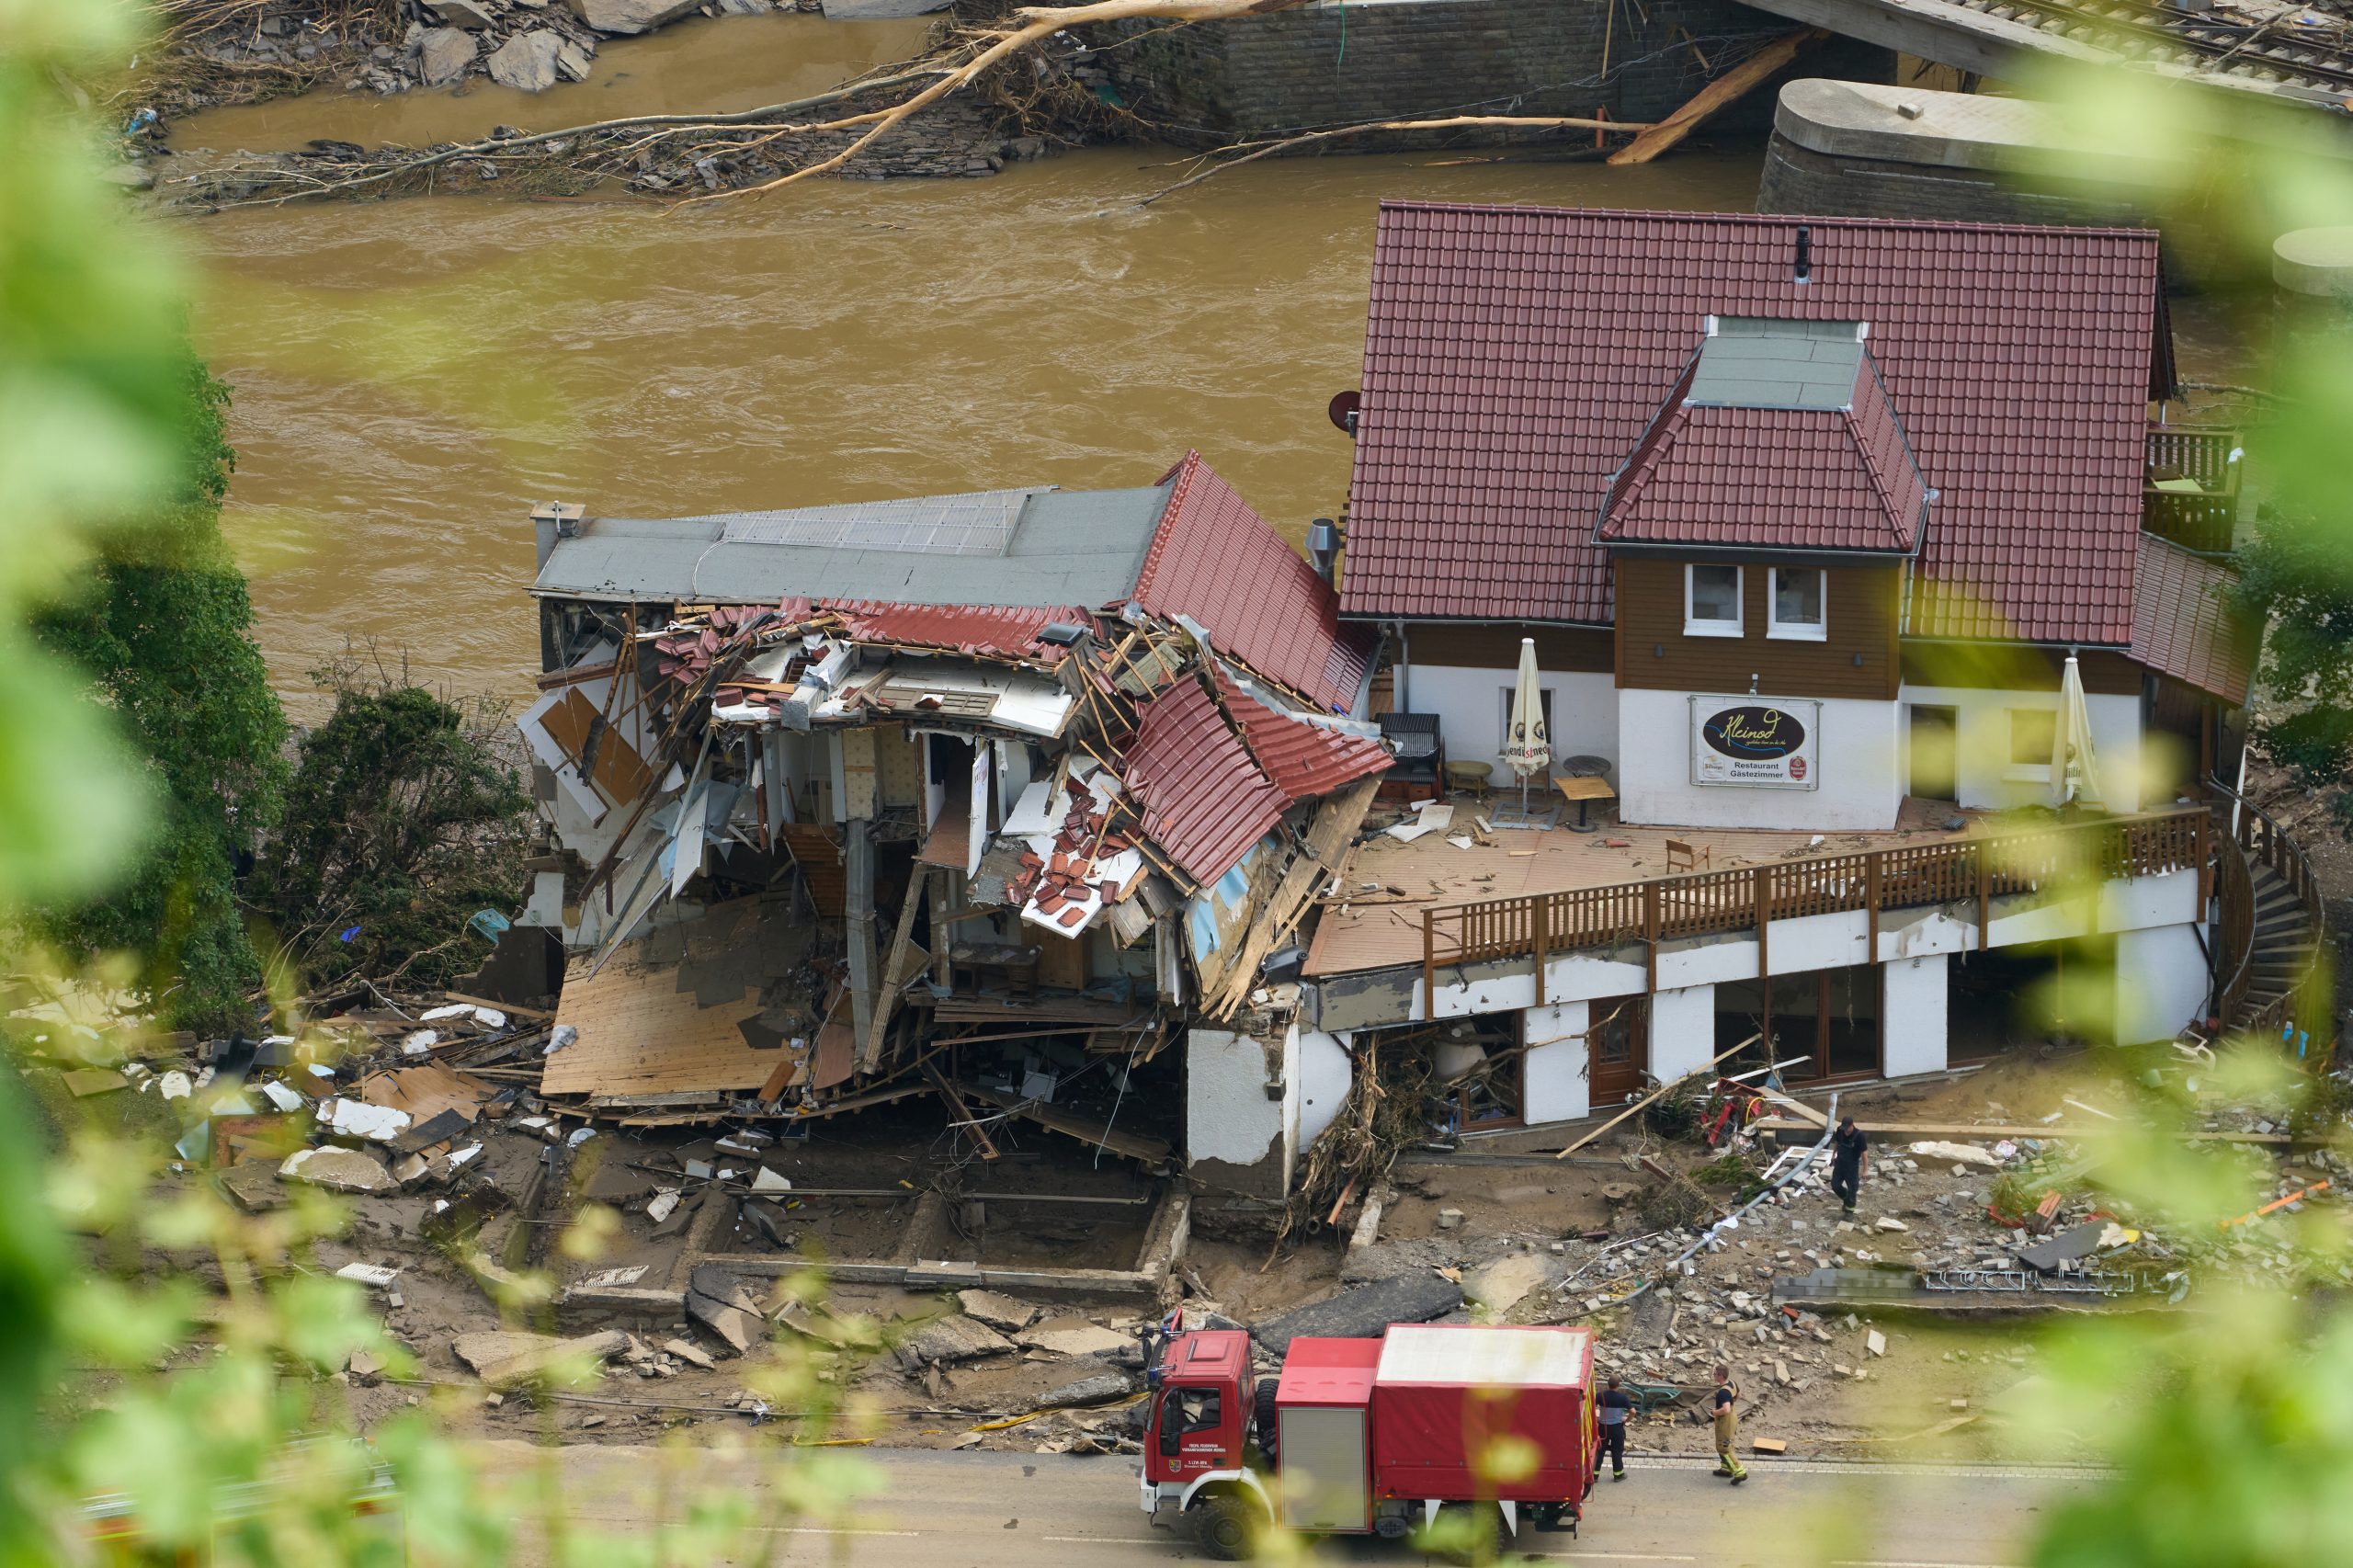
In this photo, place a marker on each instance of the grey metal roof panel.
(1064, 548)
(1753, 365)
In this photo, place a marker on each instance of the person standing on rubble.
(1846, 1146)
(1612, 1409)
(1727, 1401)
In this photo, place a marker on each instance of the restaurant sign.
(1763, 743)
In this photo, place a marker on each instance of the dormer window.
(1798, 604)
(1711, 601)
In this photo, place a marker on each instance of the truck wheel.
(1264, 1413)
(1470, 1533)
(1226, 1525)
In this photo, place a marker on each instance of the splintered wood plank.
(1054, 1118)
(640, 1034)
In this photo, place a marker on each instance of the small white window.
(1798, 596)
(1711, 601)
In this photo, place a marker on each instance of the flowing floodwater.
(411, 376)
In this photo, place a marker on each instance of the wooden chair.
(1682, 857)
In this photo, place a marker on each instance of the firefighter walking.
(1727, 1400)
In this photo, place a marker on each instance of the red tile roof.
(1776, 478)
(1214, 559)
(1007, 630)
(1205, 800)
(1515, 356)
(2182, 622)
(1303, 759)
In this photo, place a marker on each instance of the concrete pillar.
(1554, 1084)
(2161, 983)
(1683, 1032)
(1238, 1112)
(1914, 1015)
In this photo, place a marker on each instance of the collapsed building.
(990, 798)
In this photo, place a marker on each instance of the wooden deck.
(1533, 894)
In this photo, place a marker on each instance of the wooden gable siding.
(1654, 654)
(1560, 650)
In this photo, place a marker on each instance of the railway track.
(2281, 48)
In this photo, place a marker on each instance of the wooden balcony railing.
(2204, 519)
(1749, 898)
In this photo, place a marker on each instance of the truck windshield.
(1188, 1410)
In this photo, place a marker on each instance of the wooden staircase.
(2270, 976)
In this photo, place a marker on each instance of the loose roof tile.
(1303, 759)
(1514, 358)
(1009, 630)
(1216, 559)
(2183, 624)
(1205, 800)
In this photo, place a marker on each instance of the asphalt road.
(928, 1509)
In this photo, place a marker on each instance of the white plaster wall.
(1856, 750)
(1913, 1016)
(1832, 941)
(1983, 774)
(1470, 712)
(1554, 1087)
(1228, 1117)
(1322, 1068)
(2160, 983)
(1683, 1032)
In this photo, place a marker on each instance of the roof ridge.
(1765, 219)
(1182, 474)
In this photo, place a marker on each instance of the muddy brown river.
(410, 376)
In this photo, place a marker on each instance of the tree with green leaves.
(162, 628)
(402, 821)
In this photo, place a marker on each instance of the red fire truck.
(1491, 1427)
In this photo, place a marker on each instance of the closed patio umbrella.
(1527, 750)
(2075, 772)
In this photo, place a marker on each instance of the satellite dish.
(1342, 411)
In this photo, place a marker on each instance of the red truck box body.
(1462, 1411)
(1322, 1410)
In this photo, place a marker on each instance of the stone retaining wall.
(1797, 179)
(1346, 64)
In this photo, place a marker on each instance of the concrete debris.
(1364, 1312)
(1875, 1342)
(690, 1353)
(666, 1198)
(1000, 1313)
(1071, 1336)
(256, 1185)
(951, 1341)
(370, 1274)
(1097, 1387)
(338, 1170)
(473, 15)
(503, 1359)
(348, 1118)
(718, 1301)
(1958, 1154)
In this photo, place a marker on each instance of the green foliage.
(2296, 573)
(163, 629)
(402, 819)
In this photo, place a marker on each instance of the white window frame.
(1796, 631)
(2018, 772)
(1736, 626)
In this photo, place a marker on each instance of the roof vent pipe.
(1323, 546)
(1805, 253)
